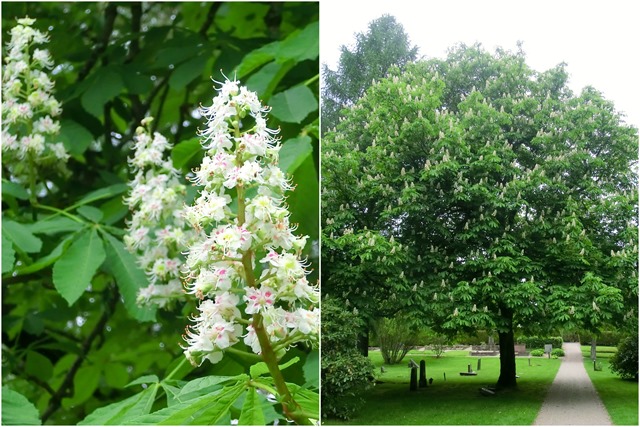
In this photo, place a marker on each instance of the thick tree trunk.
(507, 377)
(363, 342)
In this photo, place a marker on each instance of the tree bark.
(507, 377)
(593, 348)
(363, 342)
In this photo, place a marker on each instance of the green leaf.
(188, 71)
(54, 224)
(121, 413)
(116, 375)
(16, 190)
(75, 137)
(304, 202)
(91, 213)
(17, 410)
(252, 414)
(205, 385)
(183, 153)
(293, 105)
(103, 193)
(311, 369)
(129, 277)
(144, 380)
(106, 85)
(265, 80)
(294, 152)
(48, 259)
(38, 366)
(20, 235)
(302, 45)
(261, 368)
(136, 82)
(73, 271)
(308, 400)
(8, 255)
(85, 383)
(211, 409)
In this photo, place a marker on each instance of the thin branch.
(110, 14)
(209, 19)
(65, 388)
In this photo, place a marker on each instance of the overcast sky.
(599, 40)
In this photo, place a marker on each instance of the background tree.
(72, 334)
(515, 199)
(385, 44)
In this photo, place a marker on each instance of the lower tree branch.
(65, 388)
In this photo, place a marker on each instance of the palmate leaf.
(129, 277)
(121, 413)
(252, 413)
(73, 271)
(294, 152)
(17, 410)
(210, 409)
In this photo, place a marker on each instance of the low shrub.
(557, 352)
(346, 374)
(625, 361)
(538, 352)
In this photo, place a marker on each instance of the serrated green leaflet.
(17, 410)
(129, 277)
(73, 271)
(211, 409)
(8, 255)
(103, 193)
(21, 237)
(91, 213)
(121, 413)
(48, 259)
(16, 190)
(294, 152)
(293, 105)
(252, 414)
(261, 367)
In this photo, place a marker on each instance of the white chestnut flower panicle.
(29, 131)
(246, 269)
(156, 230)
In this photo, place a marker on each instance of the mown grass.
(456, 401)
(619, 396)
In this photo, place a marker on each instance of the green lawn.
(457, 400)
(620, 397)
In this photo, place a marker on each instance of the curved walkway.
(572, 399)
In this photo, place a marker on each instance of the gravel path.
(572, 399)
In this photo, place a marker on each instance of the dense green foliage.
(385, 44)
(625, 361)
(74, 342)
(346, 374)
(511, 200)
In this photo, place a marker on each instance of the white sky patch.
(599, 41)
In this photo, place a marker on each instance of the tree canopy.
(385, 44)
(513, 200)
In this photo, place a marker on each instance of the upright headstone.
(423, 374)
(479, 364)
(492, 344)
(413, 386)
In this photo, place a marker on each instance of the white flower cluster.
(156, 231)
(273, 294)
(28, 107)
